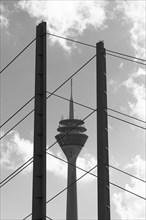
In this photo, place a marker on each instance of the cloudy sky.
(121, 25)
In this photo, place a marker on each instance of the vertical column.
(102, 136)
(72, 211)
(39, 164)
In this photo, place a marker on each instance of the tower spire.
(71, 105)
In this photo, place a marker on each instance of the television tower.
(71, 139)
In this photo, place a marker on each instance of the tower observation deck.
(71, 139)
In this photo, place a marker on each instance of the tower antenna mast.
(71, 105)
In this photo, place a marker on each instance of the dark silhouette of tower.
(71, 139)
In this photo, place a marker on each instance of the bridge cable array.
(87, 172)
(49, 97)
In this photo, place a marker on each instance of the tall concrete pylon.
(39, 163)
(102, 135)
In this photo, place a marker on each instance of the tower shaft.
(71, 152)
(72, 212)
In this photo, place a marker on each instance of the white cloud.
(114, 85)
(138, 91)
(138, 165)
(140, 72)
(127, 205)
(4, 22)
(16, 150)
(135, 15)
(121, 65)
(66, 18)
(112, 82)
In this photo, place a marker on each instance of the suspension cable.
(17, 56)
(17, 112)
(93, 46)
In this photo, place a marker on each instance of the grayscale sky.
(121, 25)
